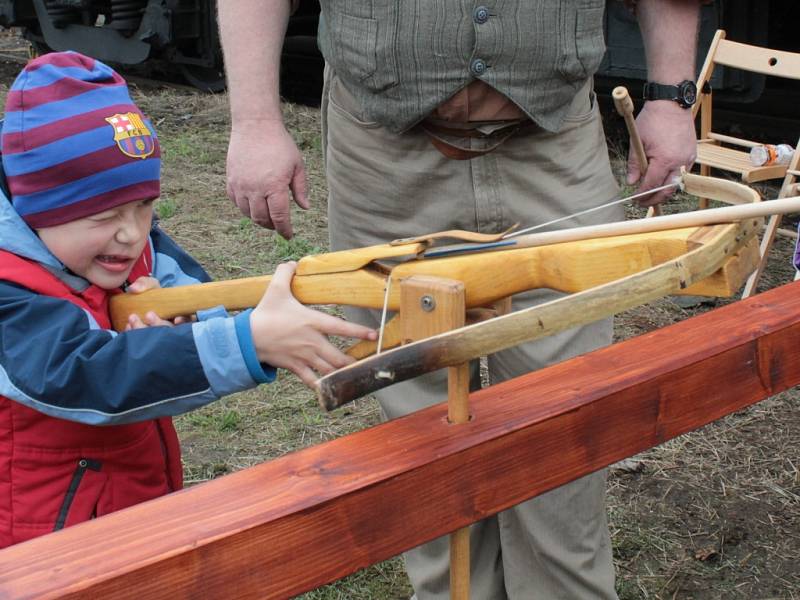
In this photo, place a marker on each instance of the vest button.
(480, 15)
(478, 67)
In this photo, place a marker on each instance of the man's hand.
(263, 165)
(669, 141)
(669, 33)
(263, 160)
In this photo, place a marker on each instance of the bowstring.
(668, 186)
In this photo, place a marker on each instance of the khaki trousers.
(384, 186)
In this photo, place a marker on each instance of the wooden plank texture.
(295, 523)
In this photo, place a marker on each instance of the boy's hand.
(289, 335)
(151, 319)
(142, 284)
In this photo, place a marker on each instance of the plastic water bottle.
(767, 154)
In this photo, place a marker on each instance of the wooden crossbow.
(605, 269)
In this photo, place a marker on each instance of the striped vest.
(400, 62)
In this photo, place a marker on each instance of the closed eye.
(103, 216)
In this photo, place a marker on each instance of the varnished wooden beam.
(295, 523)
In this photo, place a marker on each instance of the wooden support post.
(703, 104)
(428, 306)
(502, 307)
(705, 128)
(458, 414)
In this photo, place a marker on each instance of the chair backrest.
(766, 61)
(756, 59)
(763, 61)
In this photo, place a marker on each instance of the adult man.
(452, 114)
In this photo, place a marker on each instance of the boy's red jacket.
(57, 473)
(84, 411)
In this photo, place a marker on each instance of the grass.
(166, 208)
(293, 249)
(386, 581)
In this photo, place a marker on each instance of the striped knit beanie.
(74, 144)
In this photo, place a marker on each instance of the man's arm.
(263, 160)
(669, 30)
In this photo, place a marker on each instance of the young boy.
(85, 424)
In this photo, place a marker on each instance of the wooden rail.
(314, 516)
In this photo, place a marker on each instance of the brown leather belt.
(435, 132)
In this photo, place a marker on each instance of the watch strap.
(684, 93)
(659, 91)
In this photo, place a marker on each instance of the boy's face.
(102, 248)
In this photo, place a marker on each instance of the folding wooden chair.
(732, 154)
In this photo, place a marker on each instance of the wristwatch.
(684, 93)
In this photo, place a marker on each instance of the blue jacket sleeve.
(55, 359)
(173, 266)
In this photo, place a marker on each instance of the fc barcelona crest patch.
(132, 135)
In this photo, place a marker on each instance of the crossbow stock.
(604, 269)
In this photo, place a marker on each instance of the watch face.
(688, 93)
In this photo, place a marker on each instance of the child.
(83, 167)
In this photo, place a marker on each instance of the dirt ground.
(714, 514)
